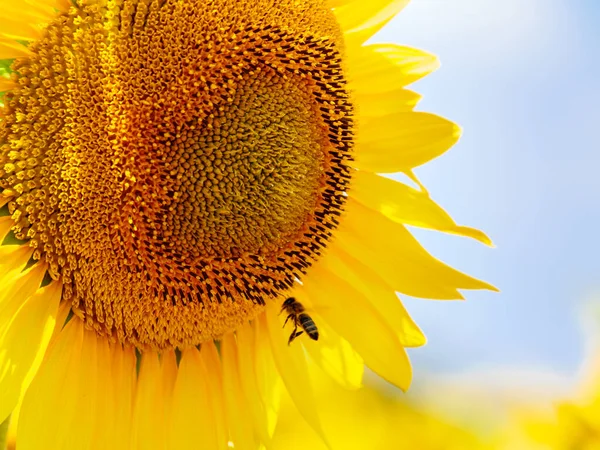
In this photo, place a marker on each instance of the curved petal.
(99, 382)
(193, 425)
(360, 20)
(57, 386)
(247, 359)
(380, 294)
(382, 104)
(393, 66)
(87, 396)
(392, 252)
(153, 400)
(13, 259)
(10, 49)
(120, 391)
(401, 141)
(17, 30)
(16, 288)
(24, 340)
(406, 205)
(291, 363)
(335, 356)
(123, 407)
(61, 5)
(64, 311)
(267, 376)
(236, 403)
(338, 3)
(5, 195)
(101, 421)
(29, 12)
(212, 362)
(353, 317)
(6, 223)
(6, 84)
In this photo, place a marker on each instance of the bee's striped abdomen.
(309, 326)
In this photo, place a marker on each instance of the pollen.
(178, 164)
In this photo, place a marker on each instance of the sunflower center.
(178, 164)
(248, 179)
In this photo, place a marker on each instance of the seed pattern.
(177, 164)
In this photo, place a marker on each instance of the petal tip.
(457, 131)
(491, 287)
(474, 233)
(430, 61)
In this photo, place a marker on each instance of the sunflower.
(170, 173)
(381, 419)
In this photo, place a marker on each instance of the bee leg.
(290, 316)
(293, 336)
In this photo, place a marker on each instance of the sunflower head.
(170, 172)
(178, 164)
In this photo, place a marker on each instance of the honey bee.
(300, 318)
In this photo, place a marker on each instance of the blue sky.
(521, 78)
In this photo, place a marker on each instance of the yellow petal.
(338, 3)
(5, 196)
(25, 338)
(382, 104)
(383, 298)
(16, 30)
(246, 353)
(49, 412)
(406, 205)
(32, 12)
(61, 5)
(10, 49)
(393, 66)
(18, 287)
(86, 393)
(64, 309)
(401, 141)
(193, 425)
(212, 362)
(6, 223)
(267, 376)
(335, 356)
(362, 19)
(101, 402)
(291, 363)
(14, 417)
(122, 381)
(6, 84)
(152, 401)
(93, 385)
(351, 315)
(236, 404)
(392, 252)
(168, 367)
(107, 373)
(12, 258)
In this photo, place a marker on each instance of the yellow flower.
(170, 173)
(569, 418)
(571, 426)
(379, 419)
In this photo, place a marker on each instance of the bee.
(300, 318)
